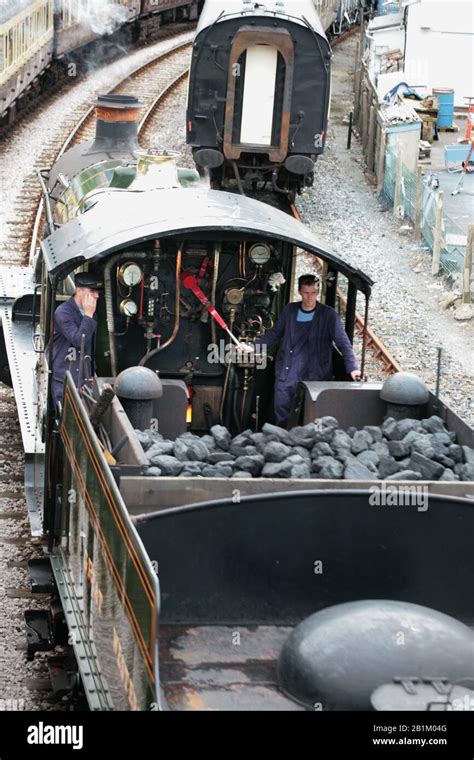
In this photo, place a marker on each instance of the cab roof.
(121, 219)
(301, 12)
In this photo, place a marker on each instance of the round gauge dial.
(260, 253)
(128, 308)
(130, 274)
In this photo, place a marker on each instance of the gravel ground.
(23, 683)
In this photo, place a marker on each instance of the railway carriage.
(37, 33)
(259, 93)
(188, 592)
(26, 48)
(78, 23)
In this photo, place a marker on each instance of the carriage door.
(259, 86)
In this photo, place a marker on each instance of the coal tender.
(209, 558)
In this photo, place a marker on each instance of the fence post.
(357, 78)
(418, 199)
(364, 115)
(467, 294)
(398, 183)
(437, 233)
(371, 139)
(381, 160)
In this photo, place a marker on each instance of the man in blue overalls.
(73, 319)
(306, 333)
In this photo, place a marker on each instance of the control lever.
(190, 282)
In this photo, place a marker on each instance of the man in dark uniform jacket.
(306, 333)
(72, 320)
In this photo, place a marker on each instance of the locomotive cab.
(165, 279)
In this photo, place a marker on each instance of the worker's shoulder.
(67, 309)
(328, 311)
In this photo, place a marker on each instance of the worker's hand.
(89, 304)
(245, 348)
(355, 374)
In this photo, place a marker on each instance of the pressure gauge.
(130, 274)
(234, 296)
(128, 308)
(260, 253)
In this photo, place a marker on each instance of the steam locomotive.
(158, 571)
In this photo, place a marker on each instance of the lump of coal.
(276, 452)
(251, 464)
(361, 441)
(221, 436)
(274, 430)
(426, 467)
(168, 465)
(434, 424)
(405, 475)
(219, 456)
(303, 435)
(277, 469)
(357, 471)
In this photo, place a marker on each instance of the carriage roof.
(302, 12)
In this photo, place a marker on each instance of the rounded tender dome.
(404, 388)
(139, 384)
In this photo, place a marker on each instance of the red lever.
(190, 282)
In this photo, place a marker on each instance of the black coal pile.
(396, 450)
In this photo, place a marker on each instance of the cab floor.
(222, 667)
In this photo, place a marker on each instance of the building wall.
(440, 46)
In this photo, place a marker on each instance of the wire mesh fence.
(453, 239)
(390, 173)
(453, 247)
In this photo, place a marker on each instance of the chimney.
(116, 126)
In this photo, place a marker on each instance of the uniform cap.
(91, 280)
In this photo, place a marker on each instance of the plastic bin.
(446, 107)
